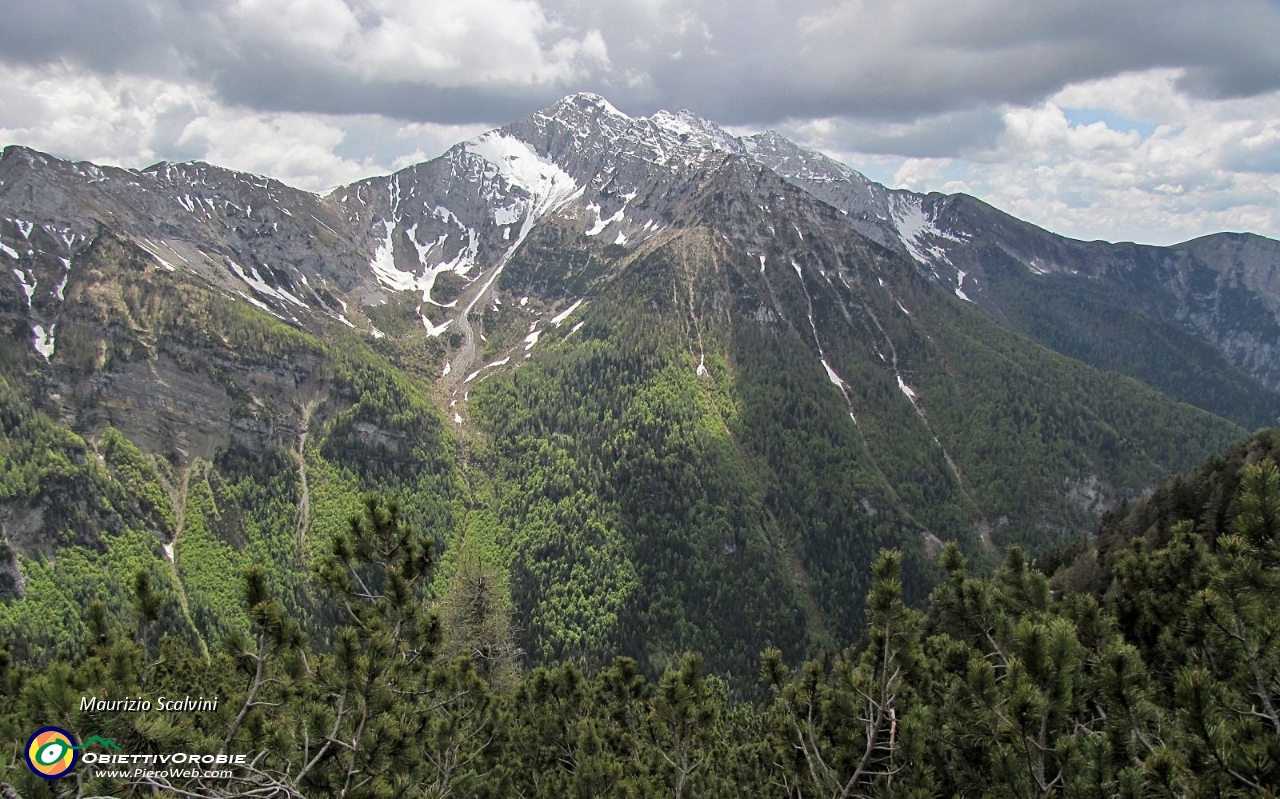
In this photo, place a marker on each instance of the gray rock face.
(867, 204)
(1223, 288)
(1229, 285)
(243, 233)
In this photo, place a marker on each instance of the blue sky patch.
(1113, 120)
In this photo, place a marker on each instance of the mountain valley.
(664, 388)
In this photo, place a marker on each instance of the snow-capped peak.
(693, 130)
(590, 100)
(541, 178)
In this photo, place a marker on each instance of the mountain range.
(668, 387)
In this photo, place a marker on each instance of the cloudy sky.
(1146, 120)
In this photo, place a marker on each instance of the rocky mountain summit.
(444, 228)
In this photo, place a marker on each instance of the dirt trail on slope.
(181, 517)
(467, 358)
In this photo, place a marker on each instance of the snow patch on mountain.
(559, 318)
(912, 224)
(43, 341)
(692, 132)
(601, 224)
(461, 263)
(831, 374)
(435, 330)
(28, 289)
(154, 251)
(494, 365)
(547, 185)
(257, 303)
(906, 389)
(259, 285)
(508, 215)
(390, 276)
(598, 101)
(1037, 267)
(960, 276)
(916, 228)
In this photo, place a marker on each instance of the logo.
(107, 743)
(51, 753)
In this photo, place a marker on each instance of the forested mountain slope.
(1165, 682)
(638, 388)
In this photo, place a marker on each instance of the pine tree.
(1229, 707)
(844, 721)
(563, 745)
(683, 722)
(476, 617)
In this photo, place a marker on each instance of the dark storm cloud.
(105, 36)
(262, 84)
(757, 62)
(945, 135)
(969, 133)
(754, 62)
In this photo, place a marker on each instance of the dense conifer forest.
(662, 473)
(1146, 664)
